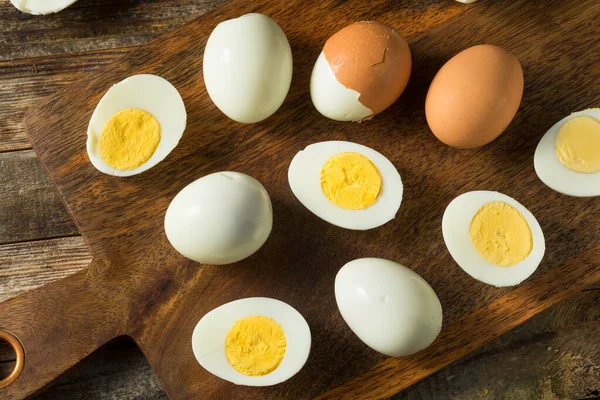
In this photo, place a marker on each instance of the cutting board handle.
(57, 325)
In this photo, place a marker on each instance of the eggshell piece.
(474, 96)
(388, 306)
(372, 59)
(41, 7)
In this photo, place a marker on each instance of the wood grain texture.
(29, 265)
(31, 208)
(139, 286)
(553, 356)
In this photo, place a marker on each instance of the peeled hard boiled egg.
(248, 67)
(567, 159)
(346, 184)
(220, 218)
(474, 96)
(41, 7)
(493, 238)
(136, 124)
(253, 342)
(388, 306)
(361, 71)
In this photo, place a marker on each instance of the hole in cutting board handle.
(11, 340)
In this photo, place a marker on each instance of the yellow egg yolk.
(129, 139)
(351, 181)
(501, 234)
(578, 144)
(255, 346)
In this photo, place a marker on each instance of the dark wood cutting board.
(139, 286)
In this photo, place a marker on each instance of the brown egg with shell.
(362, 70)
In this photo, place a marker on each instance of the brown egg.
(474, 96)
(369, 58)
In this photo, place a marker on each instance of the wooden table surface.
(556, 355)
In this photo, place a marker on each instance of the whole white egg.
(305, 176)
(388, 306)
(209, 339)
(554, 173)
(248, 67)
(146, 92)
(41, 7)
(220, 218)
(456, 228)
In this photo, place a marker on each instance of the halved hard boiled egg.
(362, 70)
(253, 342)
(41, 7)
(567, 159)
(220, 218)
(346, 184)
(493, 238)
(136, 124)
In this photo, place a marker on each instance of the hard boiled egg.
(220, 218)
(388, 306)
(474, 96)
(252, 342)
(493, 238)
(361, 71)
(136, 124)
(346, 184)
(248, 67)
(567, 159)
(40, 7)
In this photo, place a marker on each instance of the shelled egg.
(136, 124)
(361, 71)
(248, 67)
(253, 342)
(220, 218)
(41, 7)
(388, 306)
(567, 158)
(493, 238)
(346, 184)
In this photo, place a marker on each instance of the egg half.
(388, 306)
(136, 124)
(253, 342)
(567, 158)
(361, 71)
(493, 238)
(248, 67)
(346, 184)
(41, 7)
(220, 218)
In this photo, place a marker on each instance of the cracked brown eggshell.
(370, 63)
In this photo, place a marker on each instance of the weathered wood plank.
(26, 266)
(91, 25)
(23, 82)
(31, 208)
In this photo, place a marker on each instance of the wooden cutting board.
(139, 286)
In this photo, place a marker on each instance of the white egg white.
(220, 218)
(208, 339)
(456, 224)
(152, 94)
(304, 178)
(554, 173)
(388, 306)
(331, 98)
(248, 67)
(41, 7)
